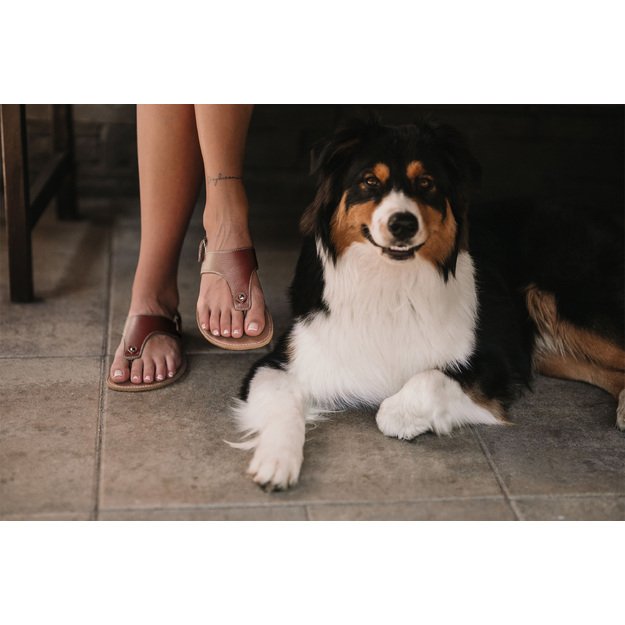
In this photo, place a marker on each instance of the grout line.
(73, 357)
(303, 503)
(548, 496)
(307, 504)
(103, 375)
(502, 485)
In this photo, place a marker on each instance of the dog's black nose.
(403, 225)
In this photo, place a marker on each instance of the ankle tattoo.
(220, 177)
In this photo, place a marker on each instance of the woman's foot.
(161, 357)
(225, 222)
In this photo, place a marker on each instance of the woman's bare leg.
(170, 175)
(222, 131)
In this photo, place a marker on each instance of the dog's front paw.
(400, 420)
(275, 468)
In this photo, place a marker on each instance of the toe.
(160, 369)
(203, 317)
(237, 324)
(172, 364)
(255, 318)
(225, 323)
(214, 322)
(136, 371)
(120, 371)
(149, 369)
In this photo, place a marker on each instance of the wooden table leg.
(16, 200)
(63, 141)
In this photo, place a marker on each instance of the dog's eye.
(425, 183)
(372, 181)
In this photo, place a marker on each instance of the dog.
(400, 306)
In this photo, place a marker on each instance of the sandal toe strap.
(236, 267)
(141, 327)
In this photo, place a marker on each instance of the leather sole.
(244, 343)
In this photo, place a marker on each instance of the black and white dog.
(396, 307)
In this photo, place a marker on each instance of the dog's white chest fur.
(387, 322)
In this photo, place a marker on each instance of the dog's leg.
(274, 414)
(431, 401)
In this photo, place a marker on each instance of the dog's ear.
(330, 153)
(453, 148)
(329, 161)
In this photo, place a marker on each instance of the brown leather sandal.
(237, 268)
(139, 330)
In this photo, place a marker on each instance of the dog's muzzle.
(401, 251)
(403, 226)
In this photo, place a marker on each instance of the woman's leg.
(222, 131)
(170, 175)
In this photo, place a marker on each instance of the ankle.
(226, 205)
(149, 304)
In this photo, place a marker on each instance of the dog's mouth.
(396, 252)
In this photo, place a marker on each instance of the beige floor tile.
(495, 509)
(70, 261)
(563, 442)
(572, 508)
(49, 516)
(251, 513)
(166, 448)
(48, 435)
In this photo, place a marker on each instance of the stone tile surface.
(495, 509)
(48, 435)
(564, 441)
(164, 456)
(70, 265)
(49, 516)
(572, 508)
(167, 449)
(251, 513)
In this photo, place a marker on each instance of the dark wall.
(570, 152)
(566, 151)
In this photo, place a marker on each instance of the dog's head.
(402, 190)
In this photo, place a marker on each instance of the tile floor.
(71, 449)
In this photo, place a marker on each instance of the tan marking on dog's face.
(414, 170)
(441, 229)
(381, 172)
(558, 336)
(346, 225)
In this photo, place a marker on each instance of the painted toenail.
(118, 373)
(204, 326)
(225, 332)
(135, 378)
(147, 378)
(215, 332)
(236, 332)
(159, 377)
(253, 326)
(170, 374)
